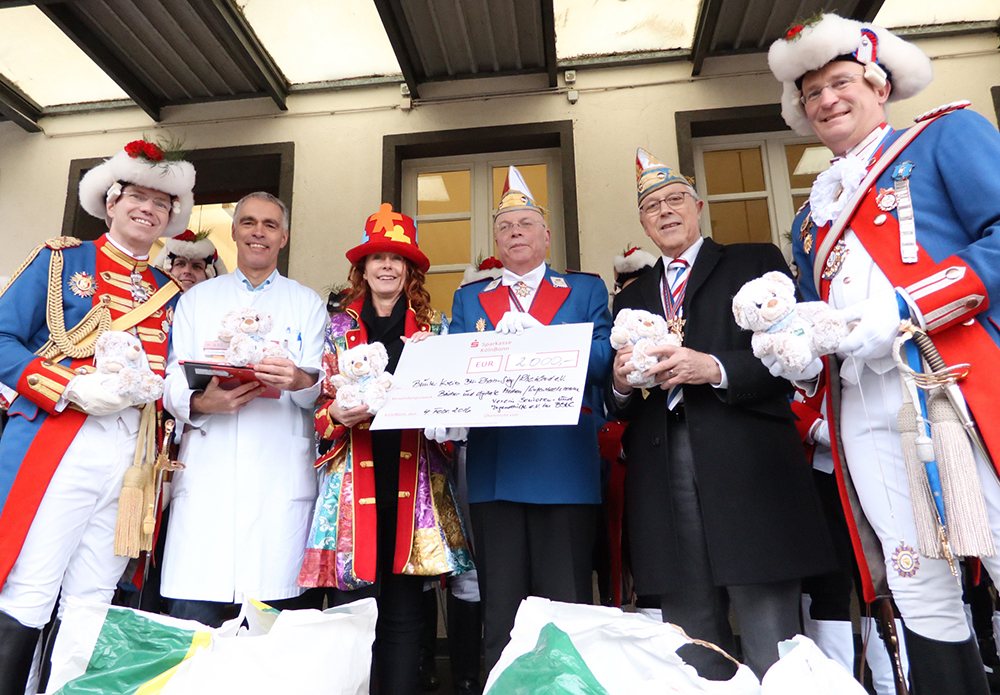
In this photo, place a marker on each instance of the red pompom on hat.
(390, 232)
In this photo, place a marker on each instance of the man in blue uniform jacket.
(534, 492)
(904, 224)
(71, 437)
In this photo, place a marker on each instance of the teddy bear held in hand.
(363, 379)
(643, 330)
(795, 333)
(120, 355)
(244, 330)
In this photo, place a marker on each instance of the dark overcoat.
(763, 521)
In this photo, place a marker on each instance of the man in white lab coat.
(241, 509)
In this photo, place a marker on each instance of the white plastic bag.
(802, 667)
(628, 653)
(117, 650)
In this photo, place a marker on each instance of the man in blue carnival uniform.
(903, 225)
(70, 440)
(534, 492)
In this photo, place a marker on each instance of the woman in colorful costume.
(386, 517)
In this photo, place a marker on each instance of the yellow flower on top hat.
(390, 232)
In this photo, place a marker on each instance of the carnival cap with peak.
(193, 246)
(516, 195)
(816, 42)
(390, 232)
(144, 164)
(651, 174)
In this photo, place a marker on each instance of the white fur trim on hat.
(637, 260)
(473, 274)
(175, 178)
(203, 249)
(818, 43)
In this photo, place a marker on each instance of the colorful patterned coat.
(341, 547)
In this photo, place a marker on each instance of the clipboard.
(199, 374)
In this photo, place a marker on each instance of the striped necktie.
(673, 306)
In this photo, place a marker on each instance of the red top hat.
(390, 232)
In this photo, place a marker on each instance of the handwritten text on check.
(490, 380)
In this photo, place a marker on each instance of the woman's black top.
(387, 330)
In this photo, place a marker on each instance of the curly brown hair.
(413, 288)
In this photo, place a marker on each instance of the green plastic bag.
(553, 667)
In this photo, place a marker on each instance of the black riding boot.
(427, 677)
(945, 668)
(17, 648)
(465, 644)
(50, 642)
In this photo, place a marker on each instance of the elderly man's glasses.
(674, 201)
(837, 85)
(508, 227)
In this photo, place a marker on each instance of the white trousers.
(70, 544)
(930, 601)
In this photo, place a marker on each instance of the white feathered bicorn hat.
(811, 45)
(144, 164)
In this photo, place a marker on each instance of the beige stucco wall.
(338, 145)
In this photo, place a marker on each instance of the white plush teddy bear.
(120, 355)
(363, 379)
(244, 330)
(795, 333)
(643, 330)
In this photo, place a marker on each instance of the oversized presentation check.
(490, 379)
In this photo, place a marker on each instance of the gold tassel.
(149, 486)
(127, 540)
(128, 528)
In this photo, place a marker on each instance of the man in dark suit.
(534, 492)
(721, 507)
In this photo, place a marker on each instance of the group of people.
(722, 510)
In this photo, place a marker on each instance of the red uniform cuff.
(950, 295)
(43, 381)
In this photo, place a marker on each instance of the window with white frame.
(753, 184)
(452, 200)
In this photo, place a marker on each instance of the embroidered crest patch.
(905, 560)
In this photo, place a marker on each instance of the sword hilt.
(928, 351)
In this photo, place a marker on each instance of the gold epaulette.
(56, 244)
(62, 242)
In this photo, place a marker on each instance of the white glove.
(820, 432)
(811, 371)
(446, 434)
(878, 325)
(90, 393)
(516, 322)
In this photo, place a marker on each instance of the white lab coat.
(241, 510)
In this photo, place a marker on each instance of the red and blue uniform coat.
(558, 464)
(955, 188)
(36, 436)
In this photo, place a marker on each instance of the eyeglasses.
(508, 227)
(837, 85)
(159, 203)
(674, 201)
